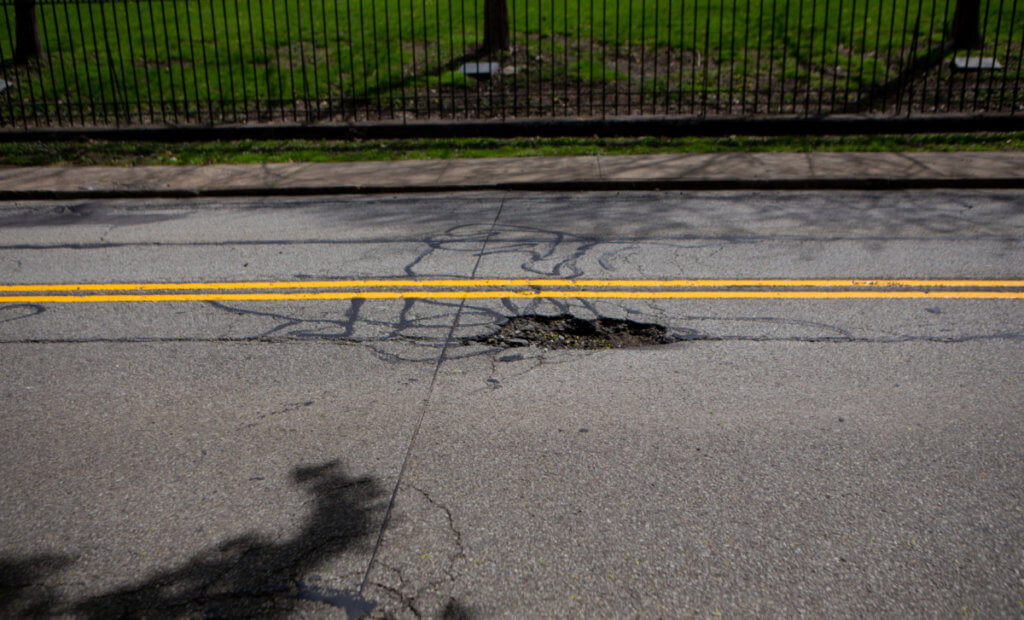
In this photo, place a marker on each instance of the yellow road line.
(493, 283)
(341, 295)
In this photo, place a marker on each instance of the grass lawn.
(248, 151)
(215, 60)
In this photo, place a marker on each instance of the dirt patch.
(569, 332)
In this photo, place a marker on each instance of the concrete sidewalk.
(661, 171)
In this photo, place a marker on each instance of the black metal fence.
(201, 62)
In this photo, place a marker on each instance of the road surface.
(306, 405)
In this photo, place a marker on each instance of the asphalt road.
(290, 406)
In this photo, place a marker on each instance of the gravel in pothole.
(569, 332)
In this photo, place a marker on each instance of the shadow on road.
(244, 576)
(18, 579)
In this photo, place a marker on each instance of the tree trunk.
(26, 31)
(496, 29)
(966, 33)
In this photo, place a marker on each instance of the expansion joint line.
(426, 403)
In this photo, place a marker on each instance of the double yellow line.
(514, 288)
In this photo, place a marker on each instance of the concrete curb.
(869, 184)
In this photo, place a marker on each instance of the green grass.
(248, 151)
(259, 56)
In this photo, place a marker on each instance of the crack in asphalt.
(409, 602)
(461, 551)
(286, 409)
(425, 406)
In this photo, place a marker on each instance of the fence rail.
(201, 62)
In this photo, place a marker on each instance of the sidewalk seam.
(444, 170)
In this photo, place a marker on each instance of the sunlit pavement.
(297, 405)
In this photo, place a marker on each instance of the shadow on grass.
(244, 576)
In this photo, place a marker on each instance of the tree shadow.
(244, 576)
(407, 81)
(868, 97)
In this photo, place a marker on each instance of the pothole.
(569, 332)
